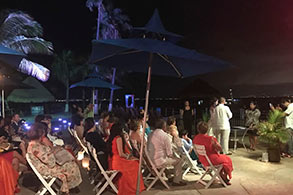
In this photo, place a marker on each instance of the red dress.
(128, 168)
(8, 178)
(214, 156)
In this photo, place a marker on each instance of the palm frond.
(34, 69)
(19, 23)
(91, 4)
(29, 45)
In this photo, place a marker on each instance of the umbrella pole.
(144, 120)
(2, 103)
(112, 90)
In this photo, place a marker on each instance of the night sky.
(224, 28)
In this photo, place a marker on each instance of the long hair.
(88, 124)
(116, 130)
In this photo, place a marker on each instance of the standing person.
(251, 120)
(89, 111)
(221, 123)
(160, 148)
(188, 118)
(288, 122)
(214, 104)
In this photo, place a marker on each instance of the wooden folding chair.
(47, 185)
(213, 171)
(155, 174)
(108, 176)
(192, 164)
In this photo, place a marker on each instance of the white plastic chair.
(80, 142)
(213, 171)
(192, 164)
(47, 185)
(108, 176)
(154, 171)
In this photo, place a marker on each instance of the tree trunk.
(112, 90)
(98, 22)
(67, 97)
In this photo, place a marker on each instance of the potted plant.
(273, 133)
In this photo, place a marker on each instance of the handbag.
(63, 156)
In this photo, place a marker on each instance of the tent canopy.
(38, 94)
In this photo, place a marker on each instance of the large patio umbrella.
(164, 58)
(156, 26)
(7, 83)
(93, 81)
(9, 57)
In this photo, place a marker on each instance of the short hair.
(133, 125)
(39, 118)
(202, 127)
(36, 131)
(222, 99)
(182, 133)
(284, 100)
(171, 120)
(160, 123)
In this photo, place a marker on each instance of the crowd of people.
(118, 140)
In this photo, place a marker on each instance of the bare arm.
(120, 149)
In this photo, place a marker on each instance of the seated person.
(147, 128)
(78, 126)
(212, 149)
(103, 124)
(122, 160)
(172, 130)
(8, 179)
(188, 145)
(96, 140)
(135, 134)
(160, 150)
(44, 158)
(15, 124)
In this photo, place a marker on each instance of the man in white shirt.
(160, 150)
(289, 122)
(221, 116)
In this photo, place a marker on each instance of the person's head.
(48, 118)
(285, 102)
(134, 125)
(222, 100)
(7, 123)
(252, 105)
(16, 118)
(90, 106)
(184, 134)
(36, 132)
(161, 124)
(79, 109)
(105, 116)
(171, 121)
(214, 101)
(202, 127)
(39, 118)
(186, 103)
(89, 124)
(78, 120)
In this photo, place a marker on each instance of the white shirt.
(221, 117)
(289, 119)
(159, 147)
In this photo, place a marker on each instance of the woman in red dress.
(122, 160)
(8, 178)
(212, 149)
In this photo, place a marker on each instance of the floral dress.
(44, 160)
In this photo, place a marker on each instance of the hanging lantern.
(85, 163)
(80, 155)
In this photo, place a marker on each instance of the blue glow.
(56, 129)
(69, 123)
(28, 127)
(64, 121)
(60, 119)
(97, 123)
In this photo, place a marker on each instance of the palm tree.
(21, 32)
(63, 71)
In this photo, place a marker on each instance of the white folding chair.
(155, 174)
(192, 164)
(108, 176)
(47, 185)
(80, 142)
(213, 171)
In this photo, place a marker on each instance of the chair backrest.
(201, 150)
(187, 154)
(80, 142)
(28, 159)
(70, 131)
(93, 153)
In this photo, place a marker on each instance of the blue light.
(56, 129)
(69, 123)
(59, 119)
(28, 127)
(64, 121)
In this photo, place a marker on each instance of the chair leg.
(186, 171)
(110, 182)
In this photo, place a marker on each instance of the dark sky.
(216, 27)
